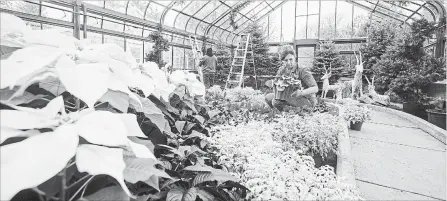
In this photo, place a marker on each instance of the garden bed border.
(433, 130)
(345, 163)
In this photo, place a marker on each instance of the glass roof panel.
(154, 12)
(180, 6)
(56, 12)
(207, 9)
(136, 8)
(263, 12)
(275, 3)
(216, 13)
(194, 7)
(96, 3)
(180, 22)
(118, 6)
(170, 18)
(250, 7)
(166, 3)
(191, 26)
(200, 29)
(231, 3)
(256, 9)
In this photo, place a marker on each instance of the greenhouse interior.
(223, 100)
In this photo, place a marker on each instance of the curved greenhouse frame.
(128, 23)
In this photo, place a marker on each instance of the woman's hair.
(286, 50)
(209, 52)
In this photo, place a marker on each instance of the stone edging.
(345, 163)
(436, 132)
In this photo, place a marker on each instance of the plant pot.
(356, 126)
(437, 118)
(415, 109)
(282, 94)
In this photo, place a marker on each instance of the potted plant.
(356, 114)
(284, 86)
(437, 112)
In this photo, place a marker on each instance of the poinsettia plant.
(95, 125)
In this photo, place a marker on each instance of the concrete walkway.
(394, 160)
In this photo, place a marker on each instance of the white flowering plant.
(271, 172)
(356, 113)
(75, 114)
(312, 134)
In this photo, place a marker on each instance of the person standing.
(208, 63)
(299, 98)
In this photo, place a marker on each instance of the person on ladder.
(208, 64)
(299, 98)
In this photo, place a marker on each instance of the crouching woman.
(300, 98)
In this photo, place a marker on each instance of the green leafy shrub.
(405, 69)
(327, 55)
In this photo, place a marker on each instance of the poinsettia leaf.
(151, 111)
(200, 119)
(88, 82)
(141, 151)
(175, 194)
(196, 134)
(32, 80)
(204, 195)
(52, 85)
(191, 106)
(215, 175)
(108, 194)
(117, 99)
(180, 125)
(141, 169)
(190, 195)
(25, 120)
(166, 164)
(199, 168)
(104, 128)
(10, 132)
(146, 143)
(24, 62)
(97, 160)
(203, 143)
(130, 121)
(189, 126)
(37, 152)
(153, 182)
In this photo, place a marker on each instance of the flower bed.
(272, 172)
(314, 134)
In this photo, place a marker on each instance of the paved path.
(394, 160)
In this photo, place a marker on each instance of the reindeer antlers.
(372, 80)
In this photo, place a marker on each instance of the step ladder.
(243, 54)
(197, 54)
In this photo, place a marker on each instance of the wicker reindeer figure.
(382, 99)
(357, 82)
(326, 86)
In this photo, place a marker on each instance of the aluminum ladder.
(197, 54)
(243, 54)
